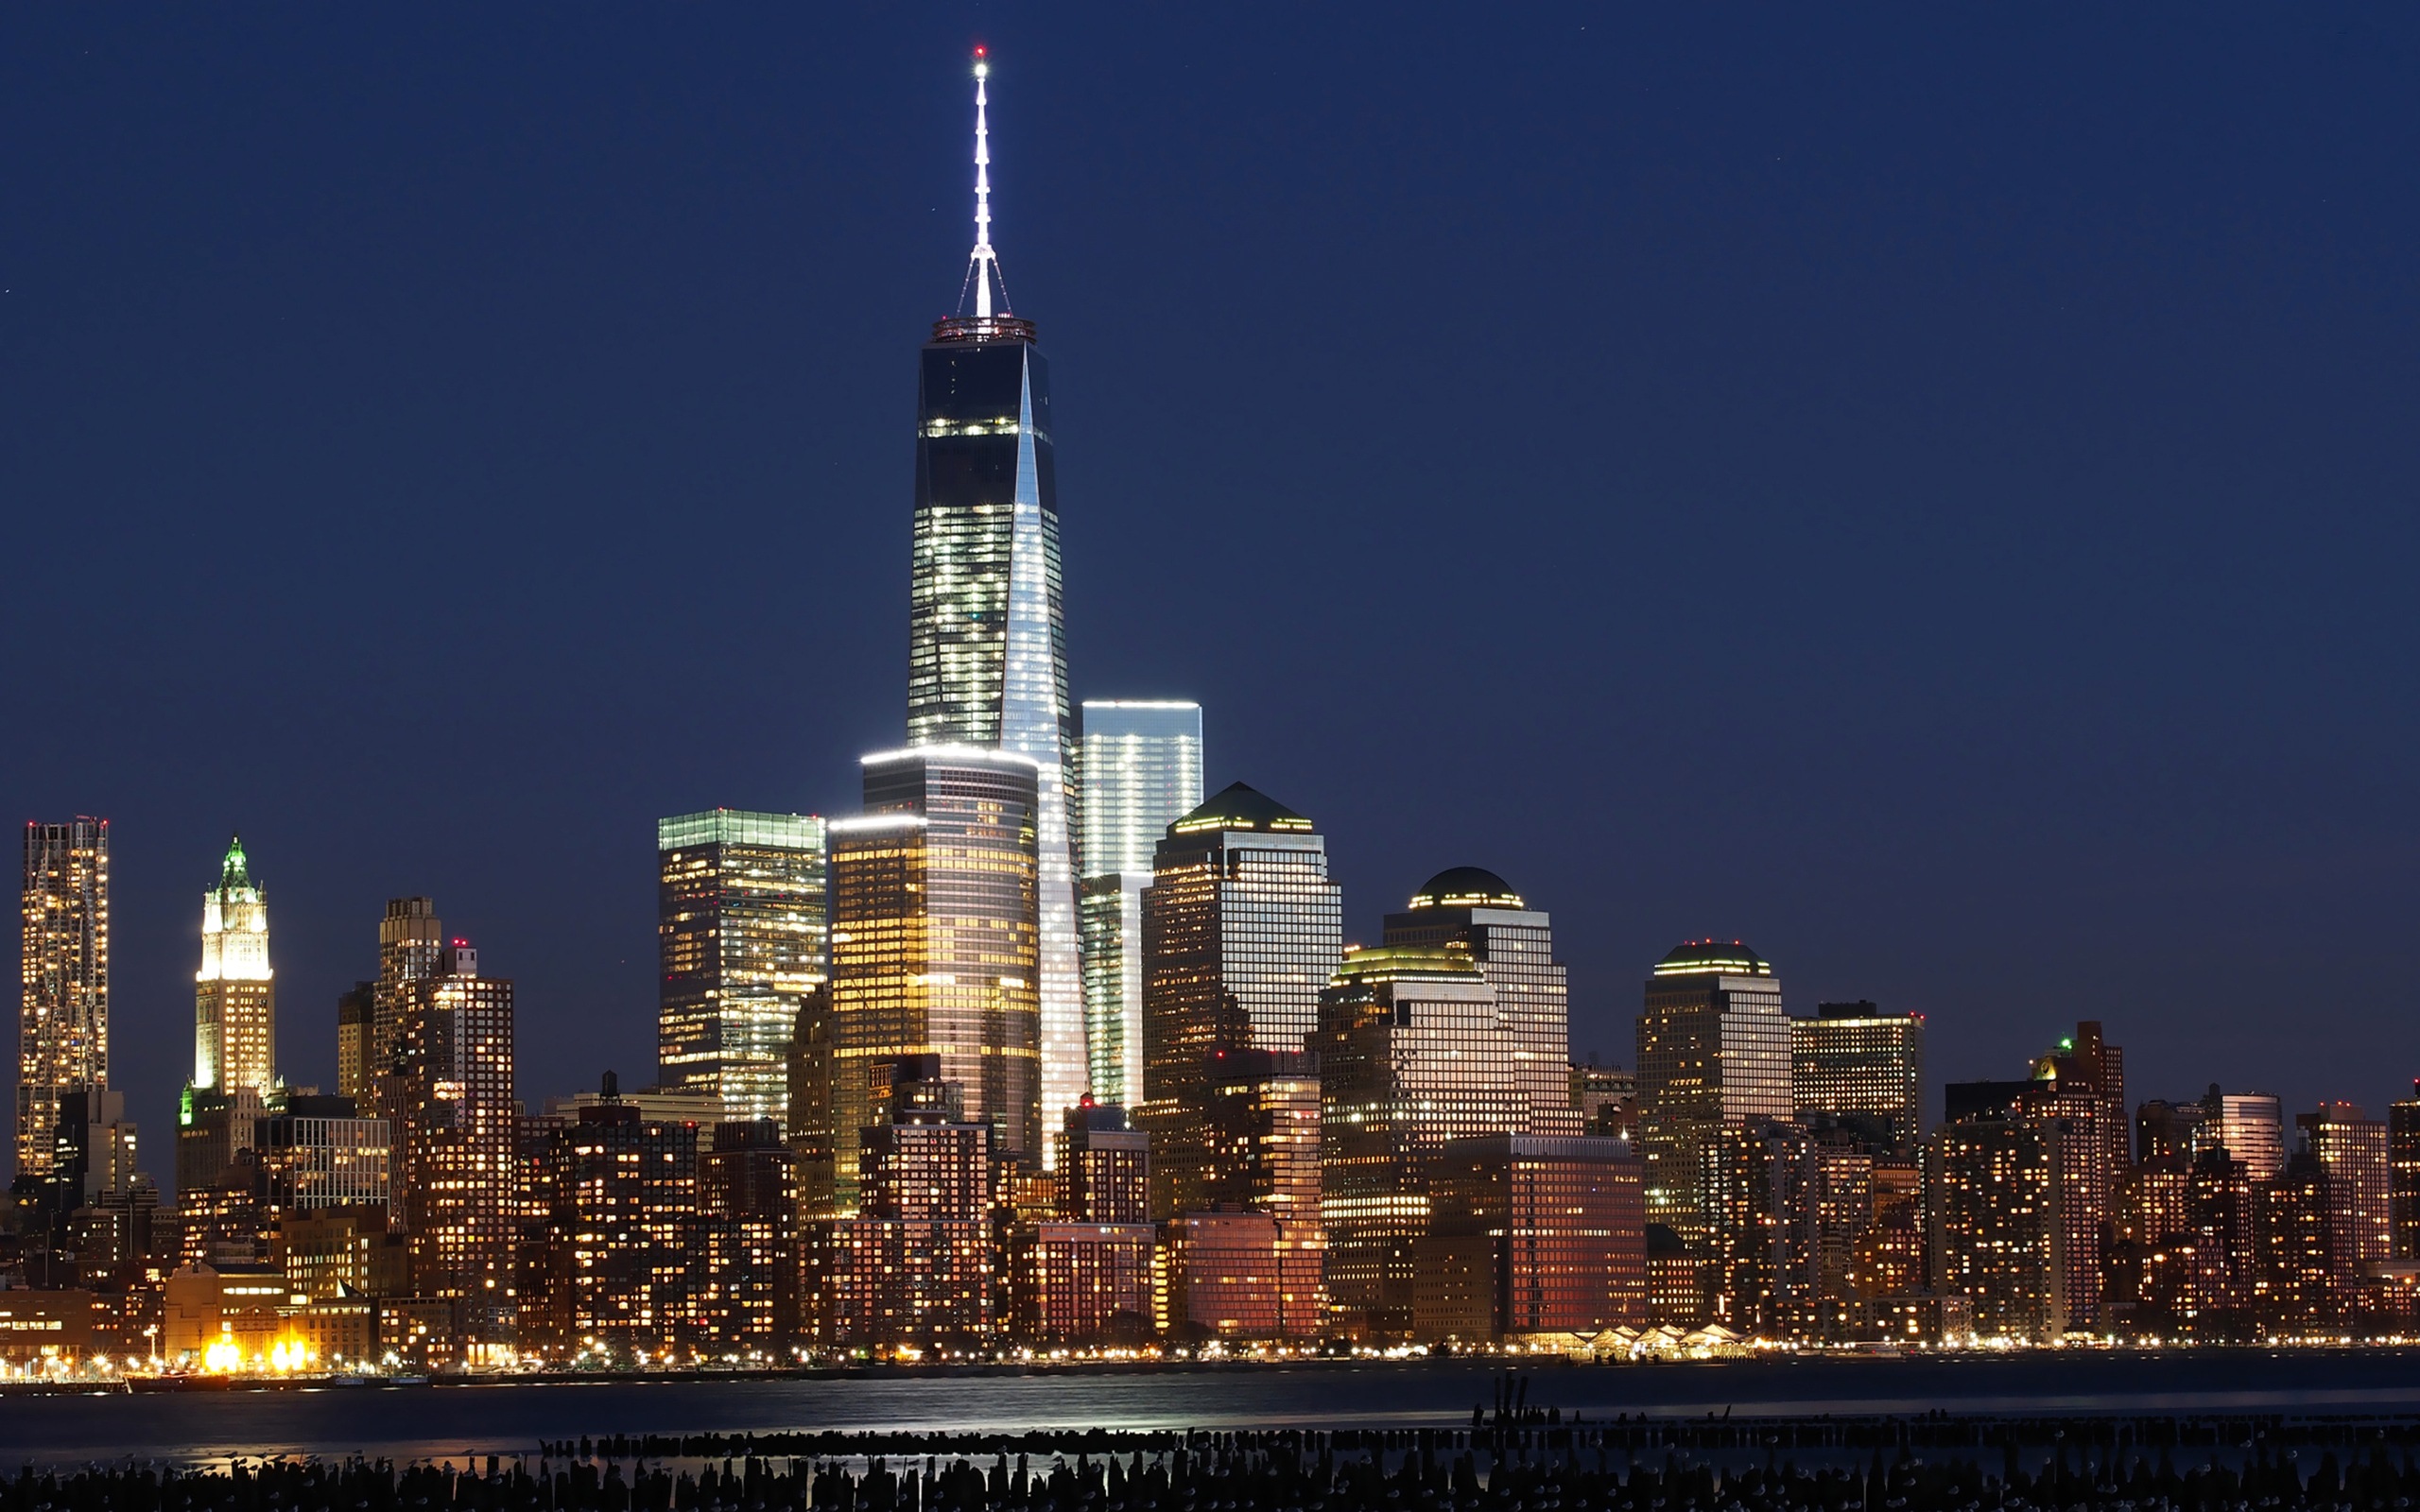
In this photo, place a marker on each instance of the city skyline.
(2209, 850)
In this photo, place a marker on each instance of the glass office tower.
(987, 640)
(1141, 771)
(235, 995)
(1854, 1061)
(933, 949)
(1713, 1054)
(740, 927)
(63, 1019)
(1472, 908)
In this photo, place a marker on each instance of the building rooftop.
(1466, 887)
(1237, 807)
(1393, 963)
(1711, 957)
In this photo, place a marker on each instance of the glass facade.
(2252, 1128)
(1713, 1052)
(234, 1014)
(411, 942)
(1141, 771)
(1513, 945)
(934, 947)
(1242, 931)
(64, 1019)
(987, 658)
(1555, 1232)
(1851, 1061)
(741, 935)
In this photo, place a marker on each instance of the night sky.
(1929, 495)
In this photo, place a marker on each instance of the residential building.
(1534, 1235)
(1997, 1222)
(63, 1017)
(455, 1166)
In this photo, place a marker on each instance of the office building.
(2403, 1173)
(1238, 1275)
(1242, 931)
(2169, 1134)
(64, 1018)
(1713, 1054)
(2352, 1149)
(1858, 1065)
(1141, 772)
(1997, 1224)
(1534, 1235)
(234, 996)
(356, 1022)
(411, 949)
(456, 1145)
(934, 948)
(987, 640)
(1513, 945)
(93, 1155)
(318, 1152)
(740, 930)
(2252, 1128)
(1413, 1050)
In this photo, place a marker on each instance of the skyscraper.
(987, 642)
(63, 1019)
(1241, 929)
(1854, 1062)
(1713, 1054)
(2000, 1223)
(934, 948)
(234, 994)
(2403, 1173)
(1141, 772)
(456, 1142)
(411, 943)
(2352, 1149)
(356, 1022)
(740, 930)
(1513, 946)
(2252, 1127)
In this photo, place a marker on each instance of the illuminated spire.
(985, 267)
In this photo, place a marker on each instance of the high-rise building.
(2403, 1173)
(1413, 1050)
(64, 1019)
(318, 1152)
(356, 1022)
(741, 935)
(2069, 1103)
(93, 1153)
(1854, 1062)
(411, 949)
(745, 1296)
(456, 1145)
(2298, 1284)
(1105, 1173)
(623, 1229)
(987, 640)
(1513, 945)
(234, 994)
(2352, 1148)
(1758, 1206)
(934, 950)
(1241, 930)
(2086, 1062)
(1998, 1223)
(1534, 1235)
(1141, 772)
(2252, 1128)
(1713, 1054)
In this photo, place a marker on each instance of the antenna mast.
(986, 265)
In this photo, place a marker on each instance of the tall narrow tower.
(235, 995)
(987, 642)
(63, 1023)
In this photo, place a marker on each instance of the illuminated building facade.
(234, 1012)
(411, 950)
(2298, 1283)
(2252, 1127)
(1713, 1054)
(1513, 946)
(64, 1018)
(1890, 1255)
(326, 1252)
(1996, 1222)
(456, 1150)
(92, 1151)
(1757, 1205)
(315, 1152)
(744, 1297)
(624, 1229)
(1854, 1062)
(356, 1018)
(1141, 772)
(741, 934)
(1236, 1274)
(1105, 1169)
(1413, 1050)
(1079, 1283)
(934, 948)
(987, 640)
(2403, 1173)
(2352, 1149)
(2085, 1186)
(1241, 930)
(1560, 1223)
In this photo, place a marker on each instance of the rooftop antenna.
(986, 263)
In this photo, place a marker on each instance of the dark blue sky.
(1930, 494)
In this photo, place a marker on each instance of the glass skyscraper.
(1713, 1054)
(740, 927)
(1141, 771)
(987, 642)
(235, 998)
(63, 1019)
(933, 950)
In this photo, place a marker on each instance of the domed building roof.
(1238, 807)
(1466, 887)
(1712, 957)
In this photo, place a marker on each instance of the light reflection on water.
(508, 1419)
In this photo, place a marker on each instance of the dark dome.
(1466, 887)
(1728, 958)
